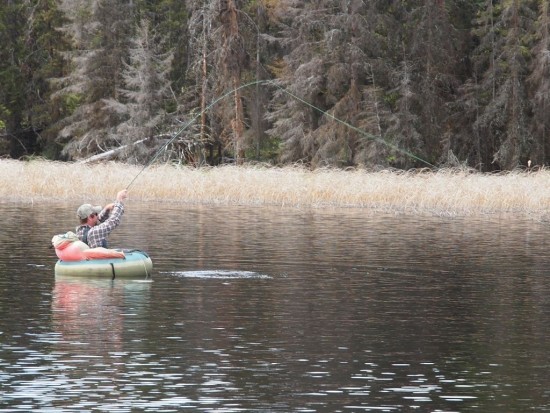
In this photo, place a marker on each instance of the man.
(96, 223)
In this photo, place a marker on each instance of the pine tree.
(501, 62)
(539, 87)
(327, 69)
(222, 36)
(101, 32)
(30, 54)
(141, 99)
(201, 29)
(432, 52)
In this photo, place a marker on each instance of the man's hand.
(122, 195)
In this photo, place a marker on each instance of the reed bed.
(443, 192)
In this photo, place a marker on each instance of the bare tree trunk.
(232, 47)
(257, 109)
(237, 124)
(493, 49)
(204, 85)
(546, 42)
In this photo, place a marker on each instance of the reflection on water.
(279, 310)
(95, 314)
(89, 321)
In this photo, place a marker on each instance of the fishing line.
(271, 82)
(365, 134)
(165, 145)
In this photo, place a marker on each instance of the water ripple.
(218, 274)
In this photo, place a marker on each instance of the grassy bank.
(444, 192)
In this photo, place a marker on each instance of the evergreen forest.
(323, 83)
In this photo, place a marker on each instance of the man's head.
(87, 214)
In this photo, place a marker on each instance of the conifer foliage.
(325, 83)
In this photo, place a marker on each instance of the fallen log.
(107, 155)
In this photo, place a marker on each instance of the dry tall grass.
(445, 192)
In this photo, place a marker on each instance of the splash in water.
(218, 274)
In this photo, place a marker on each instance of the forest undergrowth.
(443, 192)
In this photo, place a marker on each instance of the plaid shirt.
(98, 233)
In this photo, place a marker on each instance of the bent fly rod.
(273, 83)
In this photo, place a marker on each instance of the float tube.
(135, 264)
(77, 259)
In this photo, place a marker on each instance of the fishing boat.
(135, 264)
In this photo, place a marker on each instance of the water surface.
(279, 310)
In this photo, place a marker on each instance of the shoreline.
(445, 192)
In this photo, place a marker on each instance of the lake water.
(279, 310)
